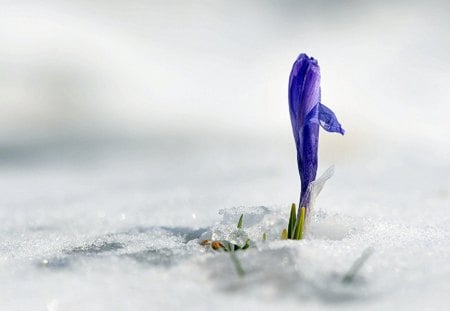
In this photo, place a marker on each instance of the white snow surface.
(117, 225)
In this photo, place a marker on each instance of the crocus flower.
(307, 113)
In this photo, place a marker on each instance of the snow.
(119, 226)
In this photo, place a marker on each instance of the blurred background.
(187, 100)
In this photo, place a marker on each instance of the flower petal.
(328, 120)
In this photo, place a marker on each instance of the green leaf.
(292, 219)
(237, 264)
(239, 225)
(246, 245)
(284, 234)
(264, 237)
(357, 265)
(226, 246)
(300, 224)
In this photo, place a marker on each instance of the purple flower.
(307, 113)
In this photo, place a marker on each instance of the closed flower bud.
(307, 115)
